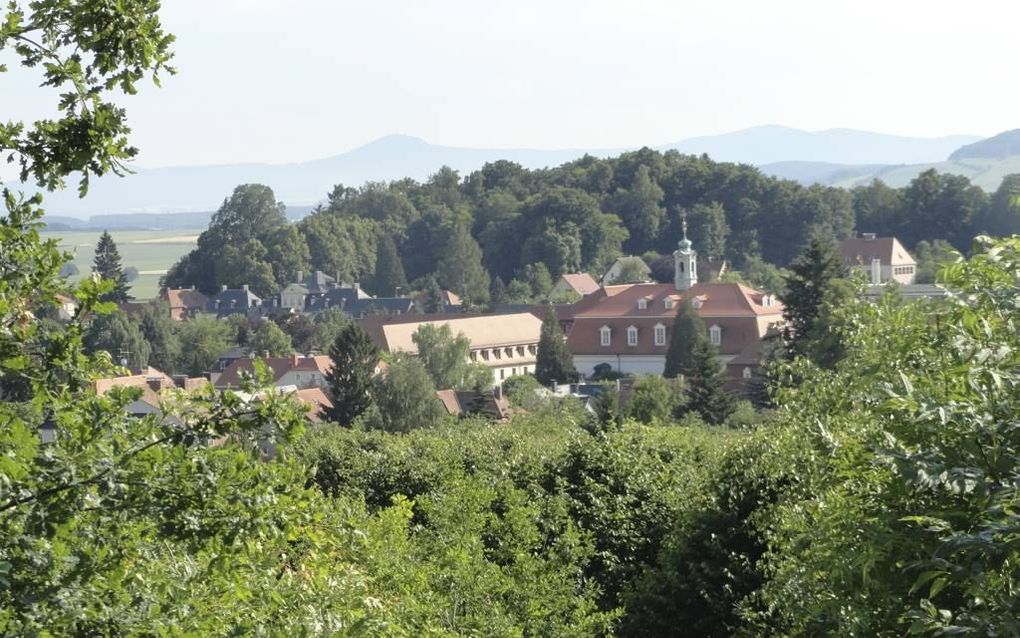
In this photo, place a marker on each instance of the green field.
(152, 252)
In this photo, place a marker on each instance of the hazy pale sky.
(291, 80)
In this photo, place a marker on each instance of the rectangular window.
(604, 336)
(632, 337)
(660, 335)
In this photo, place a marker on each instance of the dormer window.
(668, 303)
(696, 303)
(642, 304)
(660, 334)
(605, 336)
(747, 373)
(715, 335)
(631, 336)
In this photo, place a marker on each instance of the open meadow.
(152, 252)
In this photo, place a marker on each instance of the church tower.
(685, 261)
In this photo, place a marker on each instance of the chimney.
(223, 288)
(876, 271)
(300, 276)
(244, 287)
(295, 359)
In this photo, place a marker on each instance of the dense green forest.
(576, 217)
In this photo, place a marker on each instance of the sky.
(292, 80)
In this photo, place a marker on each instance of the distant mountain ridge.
(1000, 146)
(202, 188)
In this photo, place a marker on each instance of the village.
(614, 331)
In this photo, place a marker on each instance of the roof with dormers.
(394, 333)
(716, 300)
(739, 312)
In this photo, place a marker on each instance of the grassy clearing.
(152, 252)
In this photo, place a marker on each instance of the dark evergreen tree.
(497, 292)
(389, 275)
(107, 265)
(433, 296)
(350, 379)
(688, 333)
(811, 275)
(554, 361)
(158, 330)
(460, 268)
(705, 392)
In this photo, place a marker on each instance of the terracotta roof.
(186, 298)
(278, 367)
(458, 402)
(450, 402)
(318, 401)
(585, 335)
(862, 250)
(393, 334)
(581, 282)
(717, 300)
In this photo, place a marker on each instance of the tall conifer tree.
(554, 361)
(389, 271)
(107, 265)
(350, 379)
(460, 268)
(688, 333)
(705, 392)
(807, 285)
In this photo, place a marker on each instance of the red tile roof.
(582, 283)
(186, 298)
(737, 310)
(278, 367)
(717, 300)
(318, 401)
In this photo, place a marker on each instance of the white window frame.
(668, 303)
(660, 334)
(696, 303)
(715, 335)
(605, 336)
(632, 336)
(642, 304)
(747, 372)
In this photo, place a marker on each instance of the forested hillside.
(576, 217)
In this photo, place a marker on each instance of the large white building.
(506, 343)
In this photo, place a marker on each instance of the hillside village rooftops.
(394, 333)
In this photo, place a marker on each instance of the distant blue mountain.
(771, 144)
(203, 188)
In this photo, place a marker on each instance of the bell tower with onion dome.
(685, 261)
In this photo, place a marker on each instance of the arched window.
(696, 303)
(631, 336)
(715, 335)
(660, 334)
(605, 336)
(680, 265)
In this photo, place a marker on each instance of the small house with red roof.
(630, 326)
(296, 370)
(185, 303)
(882, 259)
(578, 283)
